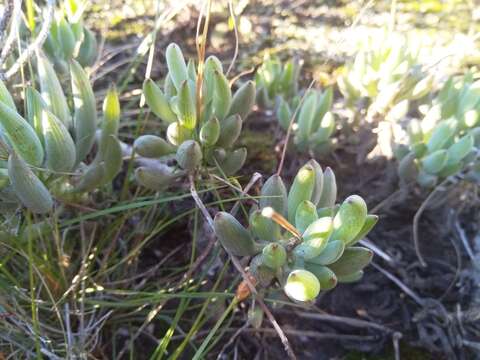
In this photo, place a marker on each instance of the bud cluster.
(301, 239)
(445, 141)
(51, 140)
(202, 127)
(314, 124)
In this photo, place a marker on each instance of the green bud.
(433, 163)
(154, 178)
(329, 190)
(233, 236)
(332, 252)
(158, 102)
(326, 277)
(177, 68)
(189, 155)
(302, 285)
(305, 215)
(274, 255)
(274, 195)
(243, 100)
(301, 189)
(264, 228)
(27, 186)
(353, 259)
(152, 146)
(210, 132)
(350, 219)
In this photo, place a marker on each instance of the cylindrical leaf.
(177, 68)
(243, 100)
(20, 135)
(152, 146)
(233, 236)
(157, 101)
(189, 155)
(302, 285)
(301, 189)
(349, 219)
(85, 120)
(27, 186)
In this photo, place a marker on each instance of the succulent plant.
(445, 140)
(42, 148)
(200, 134)
(314, 124)
(385, 75)
(300, 238)
(277, 87)
(69, 38)
(276, 80)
